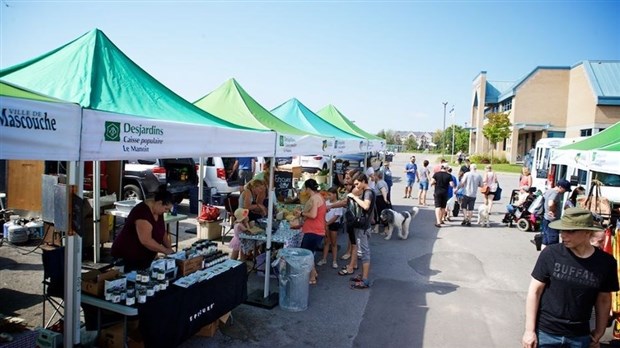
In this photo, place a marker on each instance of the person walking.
(568, 280)
(442, 182)
(387, 176)
(411, 170)
(553, 211)
(470, 182)
(490, 180)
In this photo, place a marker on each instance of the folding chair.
(53, 282)
(231, 203)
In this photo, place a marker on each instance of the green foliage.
(486, 158)
(497, 129)
(323, 172)
(389, 136)
(444, 140)
(411, 144)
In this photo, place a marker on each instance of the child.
(242, 224)
(332, 220)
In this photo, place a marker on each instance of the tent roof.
(232, 103)
(596, 141)
(94, 73)
(332, 115)
(297, 114)
(10, 90)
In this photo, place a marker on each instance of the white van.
(542, 172)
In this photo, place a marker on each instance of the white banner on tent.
(109, 136)
(346, 146)
(376, 145)
(605, 161)
(295, 145)
(577, 158)
(32, 129)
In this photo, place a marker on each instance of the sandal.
(345, 256)
(345, 271)
(312, 281)
(437, 225)
(360, 286)
(357, 278)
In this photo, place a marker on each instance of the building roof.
(496, 88)
(604, 77)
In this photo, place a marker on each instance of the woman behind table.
(250, 199)
(490, 179)
(242, 224)
(144, 233)
(313, 227)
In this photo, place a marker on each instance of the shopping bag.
(498, 193)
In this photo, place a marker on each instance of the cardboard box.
(224, 318)
(189, 266)
(210, 230)
(112, 337)
(106, 227)
(208, 330)
(296, 170)
(93, 281)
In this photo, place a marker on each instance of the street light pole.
(453, 117)
(443, 135)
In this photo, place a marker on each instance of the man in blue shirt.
(411, 169)
(245, 165)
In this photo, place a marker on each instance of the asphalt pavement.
(452, 286)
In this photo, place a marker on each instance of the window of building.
(506, 105)
(585, 132)
(555, 134)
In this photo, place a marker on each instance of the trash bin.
(295, 266)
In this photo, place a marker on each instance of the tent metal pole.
(73, 261)
(270, 194)
(96, 209)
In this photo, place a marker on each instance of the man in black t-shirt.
(442, 181)
(568, 280)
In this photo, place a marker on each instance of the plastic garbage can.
(295, 266)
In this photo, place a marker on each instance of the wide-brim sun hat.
(241, 214)
(575, 219)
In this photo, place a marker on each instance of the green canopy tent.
(297, 114)
(31, 125)
(332, 115)
(127, 113)
(230, 102)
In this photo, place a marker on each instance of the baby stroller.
(527, 216)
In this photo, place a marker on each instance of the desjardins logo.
(112, 131)
(281, 140)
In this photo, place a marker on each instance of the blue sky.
(385, 65)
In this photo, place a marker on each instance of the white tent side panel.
(605, 162)
(109, 136)
(36, 130)
(296, 145)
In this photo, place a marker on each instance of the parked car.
(142, 177)
(311, 163)
(217, 173)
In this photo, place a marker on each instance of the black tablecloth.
(176, 314)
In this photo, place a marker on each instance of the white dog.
(483, 216)
(399, 220)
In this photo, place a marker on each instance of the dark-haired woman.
(313, 227)
(144, 233)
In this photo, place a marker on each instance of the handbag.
(596, 203)
(498, 193)
(208, 213)
(484, 189)
(356, 216)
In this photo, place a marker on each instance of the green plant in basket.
(323, 172)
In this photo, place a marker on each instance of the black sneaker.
(464, 222)
(468, 224)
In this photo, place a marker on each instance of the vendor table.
(290, 238)
(172, 316)
(168, 218)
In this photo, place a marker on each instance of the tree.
(389, 136)
(411, 144)
(497, 129)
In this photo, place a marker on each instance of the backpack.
(356, 216)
